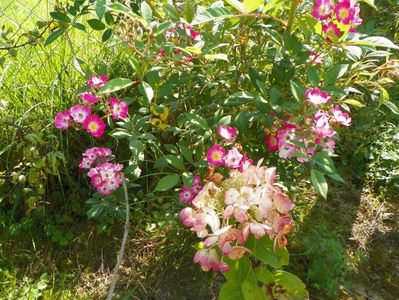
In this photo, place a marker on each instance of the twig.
(123, 245)
(15, 46)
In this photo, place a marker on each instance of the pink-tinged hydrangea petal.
(228, 211)
(315, 96)
(228, 133)
(322, 9)
(281, 201)
(94, 125)
(331, 29)
(233, 158)
(79, 113)
(215, 156)
(221, 266)
(89, 98)
(62, 120)
(97, 82)
(237, 252)
(344, 12)
(186, 217)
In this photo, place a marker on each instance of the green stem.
(294, 5)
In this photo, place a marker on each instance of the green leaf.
(370, 3)
(263, 249)
(324, 162)
(375, 41)
(264, 275)
(293, 286)
(101, 8)
(79, 26)
(166, 183)
(220, 56)
(120, 8)
(188, 178)
(212, 14)
(313, 76)
(175, 161)
(96, 24)
(197, 121)
(163, 27)
(61, 17)
(187, 154)
(146, 11)
(236, 4)
(106, 35)
(238, 270)
(230, 291)
(298, 91)
(354, 102)
(252, 291)
(189, 11)
(147, 91)
(335, 72)
(319, 182)
(136, 66)
(115, 85)
(394, 109)
(53, 36)
(171, 12)
(251, 5)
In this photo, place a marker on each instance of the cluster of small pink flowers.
(218, 156)
(345, 12)
(189, 193)
(183, 34)
(82, 114)
(105, 177)
(315, 134)
(226, 212)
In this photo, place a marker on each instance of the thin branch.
(123, 245)
(16, 46)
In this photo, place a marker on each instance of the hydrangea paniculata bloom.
(215, 156)
(97, 82)
(118, 108)
(226, 214)
(88, 97)
(228, 133)
(62, 120)
(79, 113)
(94, 125)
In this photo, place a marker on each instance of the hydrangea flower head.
(215, 156)
(94, 125)
(97, 82)
(62, 120)
(228, 133)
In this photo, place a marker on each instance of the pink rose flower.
(62, 120)
(94, 125)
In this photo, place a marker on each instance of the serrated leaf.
(264, 250)
(115, 85)
(166, 183)
(319, 182)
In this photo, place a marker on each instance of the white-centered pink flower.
(62, 120)
(88, 97)
(341, 117)
(119, 108)
(79, 113)
(322, 9)
(317, 97)
(97, 82)
(228, 133)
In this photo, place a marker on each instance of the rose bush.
(269, 76)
